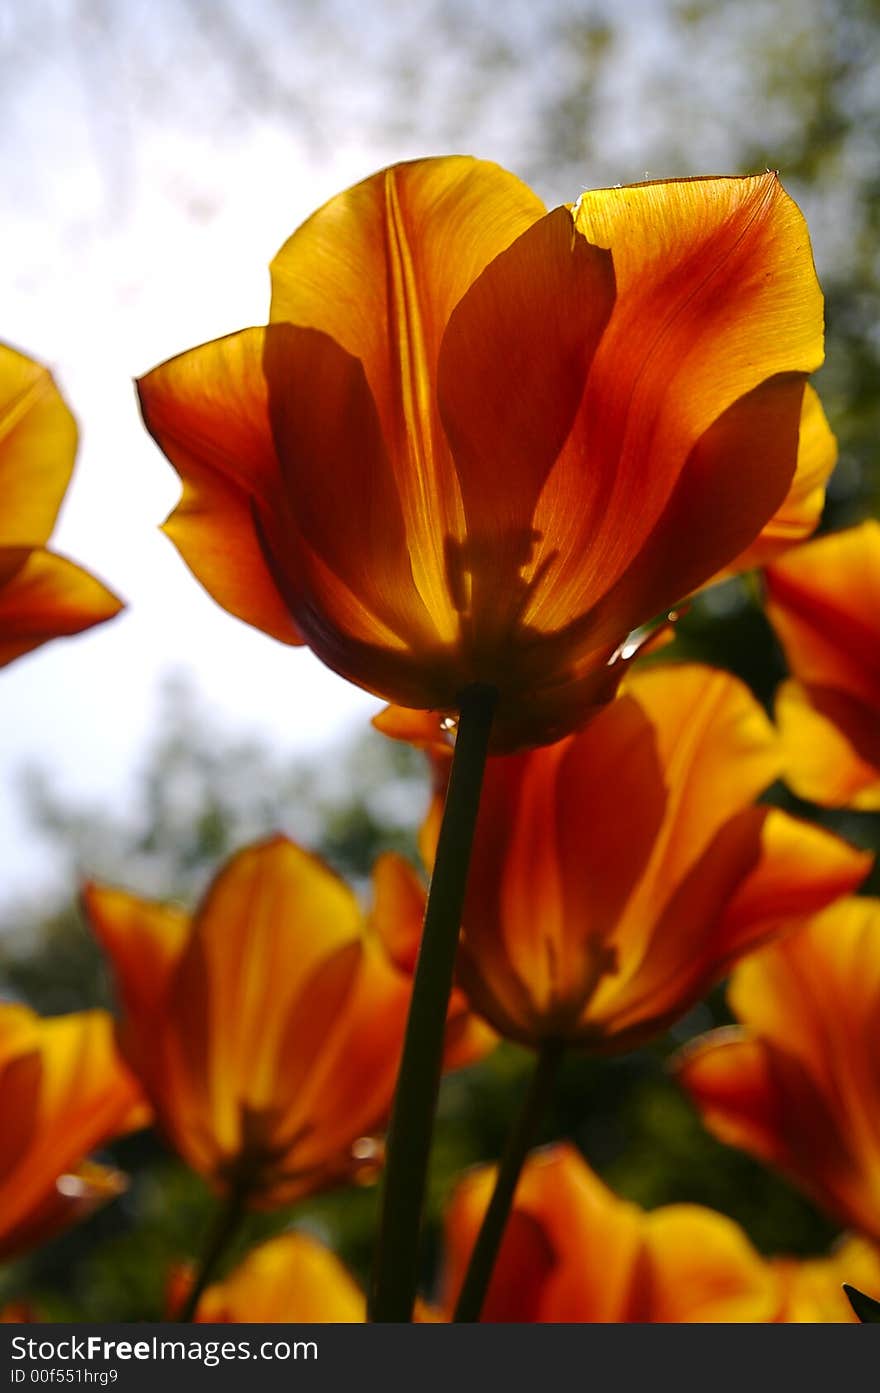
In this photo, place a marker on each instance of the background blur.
(155, 157)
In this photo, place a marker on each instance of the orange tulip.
(266, 1028)
(812, 1290)
(42, 595)
(479, 443)
(289, 1278)
(798, 1086)
(823, 600)
(63, 1092)
(574, 1252)
(617, 874)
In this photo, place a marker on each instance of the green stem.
(520, 1138)
(412, 1121)
(227, 1222)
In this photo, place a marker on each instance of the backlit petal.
(534, 318)
(37, 448)
(65, 1090)
(823, 600)
(208, 411)
(830, 746)
(801, 509)
(44, 596)
(380, 268)
(289, 1278)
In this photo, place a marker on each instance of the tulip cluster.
(476, 458)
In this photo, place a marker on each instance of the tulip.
(617, 874)
(658, 336)
(64, 1092)
(266, 1027)
(575, 1252)
(798, 1084)
(811, 1290)
(289, 1278)
(42, 595)
(822, 602)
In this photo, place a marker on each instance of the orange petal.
(734, 477)
(44, 596)
(761, 873)
(289, 1278)
(534, 318)
(813, 1292)
(272, 915)
(809, 1099)
(339, 485)
(801, 509)
(544, 895)
(398, 909)
(823, 600)
(700, 1266)
(37, 450)
(380, 268)
(208, 411)
(65, 1087)
(716, 294)
(717, 752)
(831, 747)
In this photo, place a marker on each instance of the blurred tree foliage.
(570, 95)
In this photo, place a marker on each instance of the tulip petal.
(823, 600)
(717, 751)
(44, 596)
(761, 873)
(398, 909)
(289, 1278)
(800, 511)
(734, 477)
(380, 268)
(700, 1266)
(830, 745)
(70, 1092)
(208, 411)
(716, 294)
(806, 1095)
(338, 481)
(37, 450)
(534, 319)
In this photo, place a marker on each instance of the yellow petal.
(289, 1278)
(830, 745)
(37, 450)
(802, 506)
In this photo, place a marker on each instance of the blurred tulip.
(823, 600)
(64, 1092)
(289, 1278)
(812, 1289)
(359, 475)
(617, 874)
(574, 1252)
(42, 595)
(798, 1085)
(266, 1028)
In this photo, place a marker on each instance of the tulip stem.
(227, 1222)
(520, 1138)
(412, 1120)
